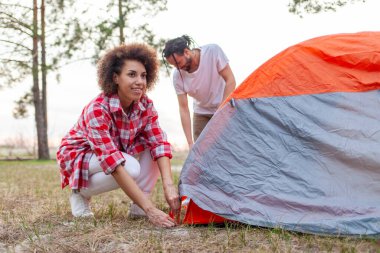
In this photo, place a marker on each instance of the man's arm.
(184, 112)
(229, 78)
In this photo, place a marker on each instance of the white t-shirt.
(205, 85)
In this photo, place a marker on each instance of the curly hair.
(113, 61)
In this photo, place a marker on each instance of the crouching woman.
(117, 140)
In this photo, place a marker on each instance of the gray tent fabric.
(308, 163)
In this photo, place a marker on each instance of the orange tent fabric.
(318, 62)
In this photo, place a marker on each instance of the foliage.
(299, 7)
(21, 111)
(71, 34)
(65, 35)
(35, 41)
(16, 31)
(130, 23)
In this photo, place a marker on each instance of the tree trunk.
(121, 23)
(43, 151)
(44, 131)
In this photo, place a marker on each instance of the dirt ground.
(35, 217)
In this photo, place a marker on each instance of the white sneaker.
(135, 211)
(80, 206)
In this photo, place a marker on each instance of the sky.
(249, 31)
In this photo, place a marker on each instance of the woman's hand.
(170, 190)
(129, 186)
(172, 197)
(159, 218)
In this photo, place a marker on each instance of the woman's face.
(131, 82)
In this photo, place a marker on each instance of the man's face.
(182, 62)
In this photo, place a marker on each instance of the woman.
(121, 123)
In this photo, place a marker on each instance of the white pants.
(144, 171)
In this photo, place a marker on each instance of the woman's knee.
(132, 166)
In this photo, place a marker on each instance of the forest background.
(47, 65)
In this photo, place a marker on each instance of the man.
(202, 73)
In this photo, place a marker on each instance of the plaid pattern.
(106, 130)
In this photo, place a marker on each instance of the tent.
(297, 144)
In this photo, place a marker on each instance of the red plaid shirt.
(105, 130)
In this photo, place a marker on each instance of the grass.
(35, 217)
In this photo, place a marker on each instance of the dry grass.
(35, 217)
